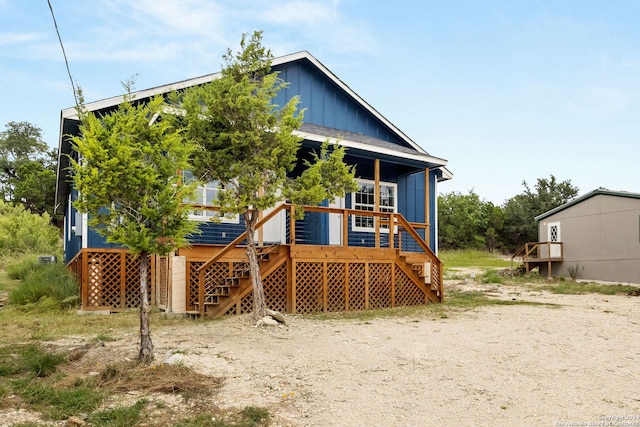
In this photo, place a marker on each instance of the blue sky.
(506, 91)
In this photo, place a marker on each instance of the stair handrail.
(226, 249)
(418, 238)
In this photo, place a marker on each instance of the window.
(207, 195)
(364, 200)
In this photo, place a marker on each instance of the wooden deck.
(396, 269)
(536, 254)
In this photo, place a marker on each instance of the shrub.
(492, 276)
(20, 269)
(49, 287)
(22, 232)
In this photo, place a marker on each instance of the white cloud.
(16, 38)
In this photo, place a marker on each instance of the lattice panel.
(357, 286)
(309, 287)
(132, 282)
(336, 275)
(407, 293)
(103, 288)
(379, 285)
(246, 305)
(435, 275)
(192, 292)
(275, 289)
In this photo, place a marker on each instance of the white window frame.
(206, 195)
(384, 206)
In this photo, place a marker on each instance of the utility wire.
(66, 62)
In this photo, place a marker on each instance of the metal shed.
(599, 234)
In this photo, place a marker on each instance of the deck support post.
(376, 196)
(427, 208)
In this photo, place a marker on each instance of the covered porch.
(390, 266)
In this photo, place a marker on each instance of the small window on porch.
(207, 195)
(364, 200)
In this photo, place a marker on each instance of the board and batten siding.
(601, 235)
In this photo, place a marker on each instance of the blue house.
(357, 252)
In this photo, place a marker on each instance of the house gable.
(330, 106)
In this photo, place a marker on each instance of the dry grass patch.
(168, 379)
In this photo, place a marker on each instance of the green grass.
(59, 403)
(250, 416)
(580, 288)
(6, 283)
(30, 359)
(118, 417)
(472, 258)
(48, 287)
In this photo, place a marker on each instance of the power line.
(66, 62)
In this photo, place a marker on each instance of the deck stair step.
(241, 270)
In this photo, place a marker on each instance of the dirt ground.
(571, 363)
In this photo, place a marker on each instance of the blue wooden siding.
(212, 233)
(328, 105)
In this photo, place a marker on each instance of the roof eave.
(419, 157)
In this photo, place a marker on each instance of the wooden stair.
(421, 268)
(224, 293)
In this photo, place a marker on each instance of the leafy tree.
(520, 210)
(23, 232)
(246, 142)
(27, 168)
(128, 183)
(467, 222)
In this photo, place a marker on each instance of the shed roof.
(599, 191)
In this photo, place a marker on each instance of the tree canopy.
(246, 142)
(27, 168)
(127, 181)
(467, 222)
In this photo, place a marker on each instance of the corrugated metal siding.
(602, 236)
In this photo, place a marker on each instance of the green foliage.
(28, 359)
(519, 211)
(247, 143)
(255, 415)
(60, 403)
(250, 416)
(118, 417)
(22, 232)
(325, 178)
(492, 276)
(128, 180)
(467, 222)
(472, 258)
(245, 140)
(48, 287)
(27, 168)
(20, 269)
(580, 288)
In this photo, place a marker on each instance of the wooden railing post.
(345, 228)
(292, 225)
(392, 228)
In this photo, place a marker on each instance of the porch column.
(427, 210)
(376, 196)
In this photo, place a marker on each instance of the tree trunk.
(146, 345)
(259, 303)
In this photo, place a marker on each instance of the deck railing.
(341, 227)
(539, 252)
